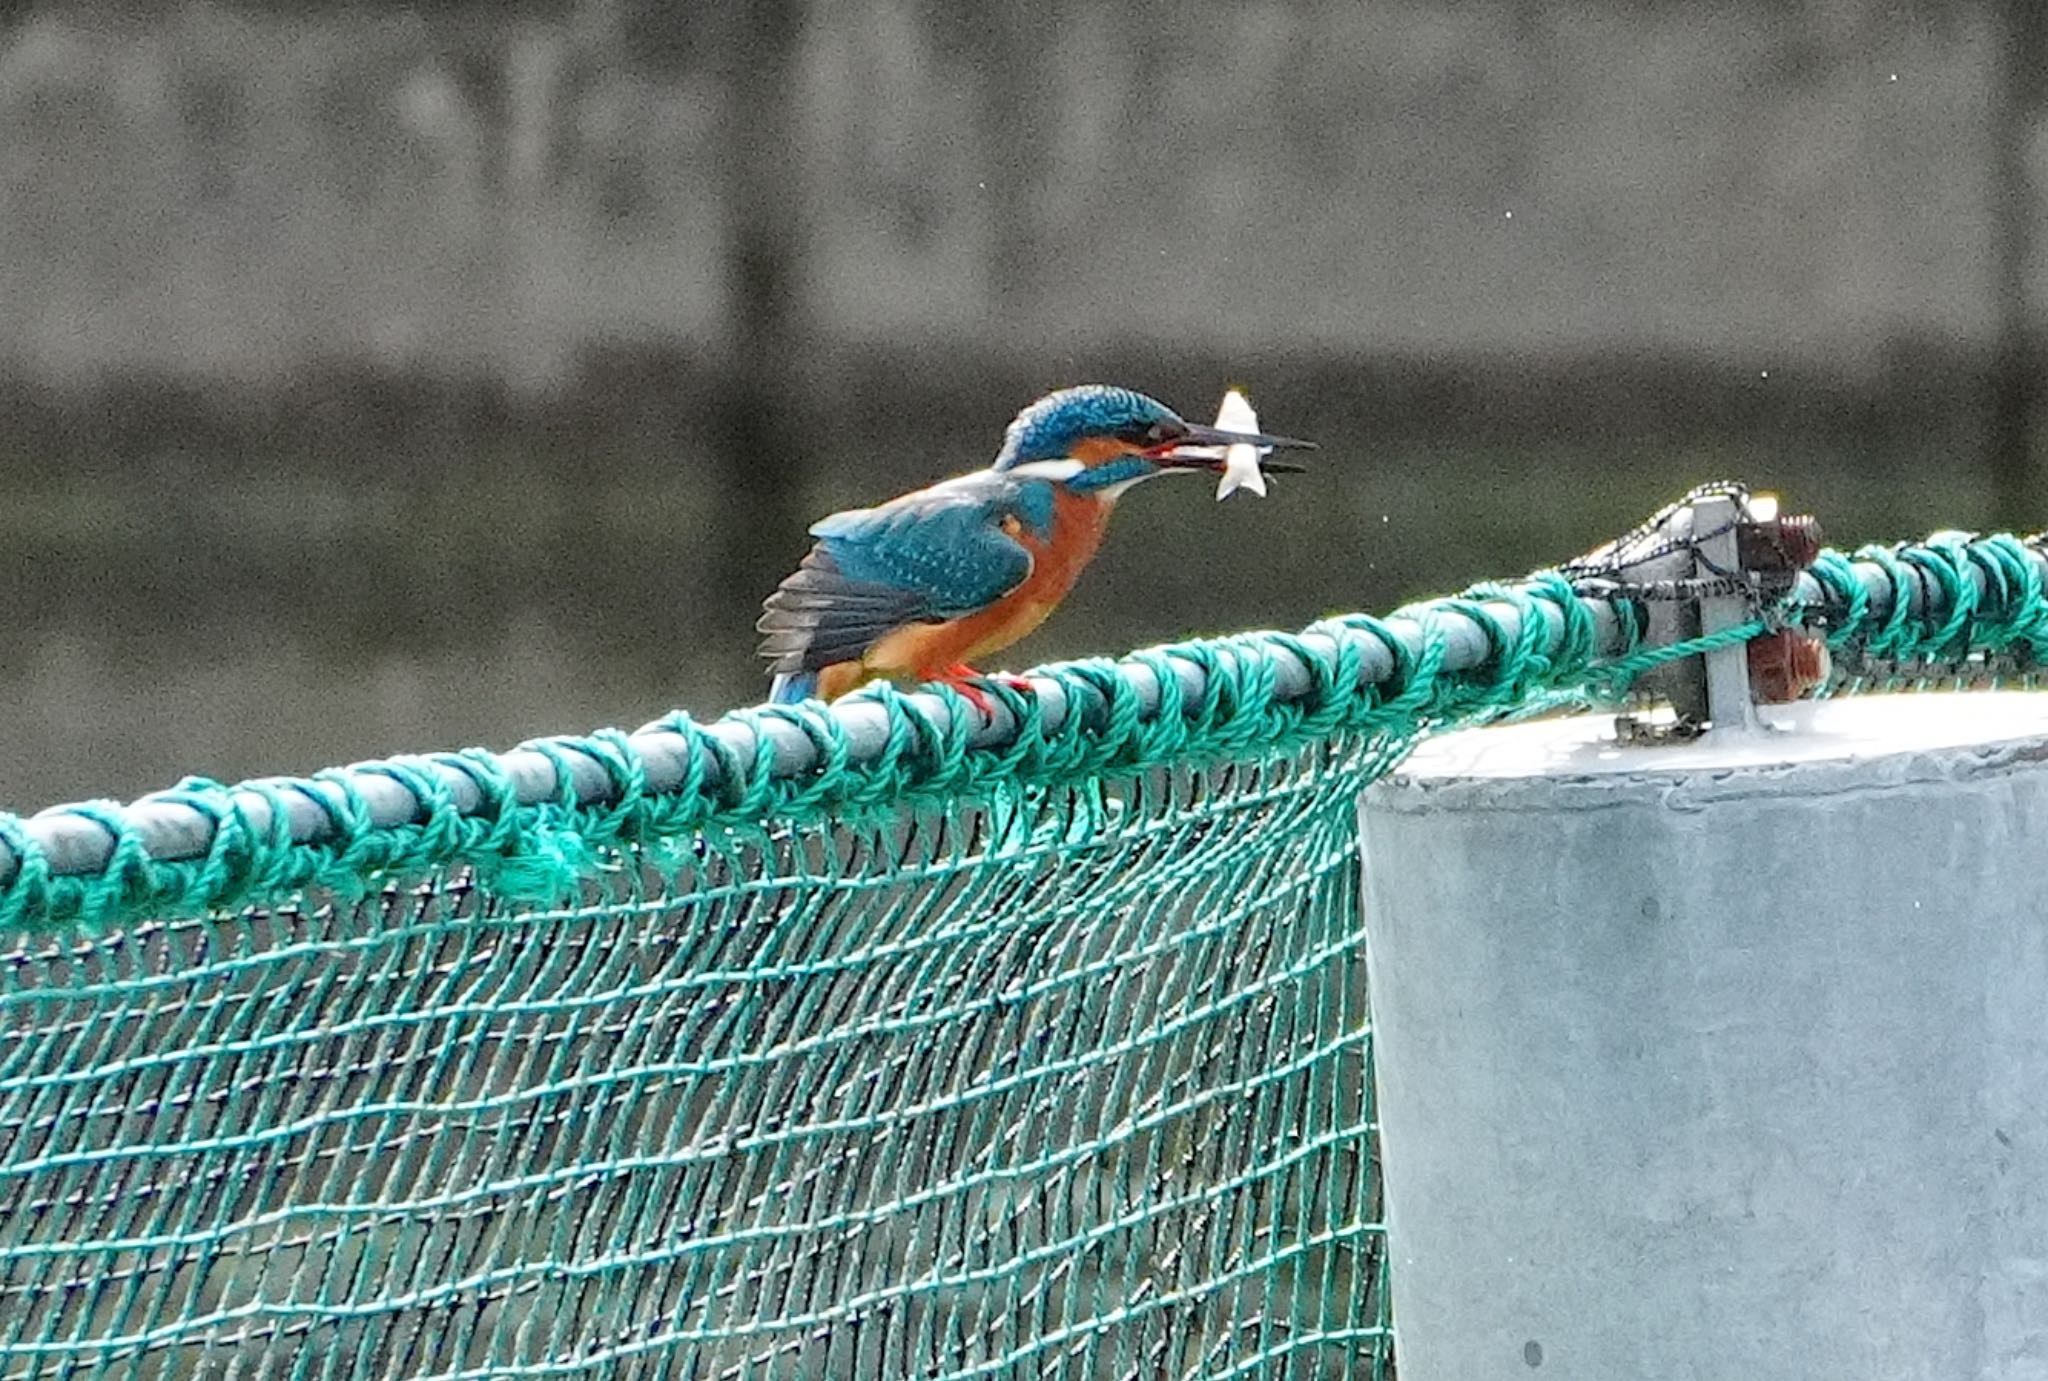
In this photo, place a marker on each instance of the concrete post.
(1725, 1061)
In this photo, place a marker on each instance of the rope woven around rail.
(531, 820)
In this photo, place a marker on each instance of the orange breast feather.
(925, 650)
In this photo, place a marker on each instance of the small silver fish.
(1240, 463)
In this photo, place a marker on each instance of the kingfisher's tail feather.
(793, 687)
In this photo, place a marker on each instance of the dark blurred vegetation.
(382, 377)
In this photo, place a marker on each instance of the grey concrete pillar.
(1726, 1061)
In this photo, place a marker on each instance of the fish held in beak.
(1236, 449)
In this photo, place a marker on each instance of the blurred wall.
(239, 192)
(379, 377)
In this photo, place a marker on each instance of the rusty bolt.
(1785, 666)
(1788, 543)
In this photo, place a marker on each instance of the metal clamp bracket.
(1713, 561)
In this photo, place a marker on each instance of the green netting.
(1045, 1054)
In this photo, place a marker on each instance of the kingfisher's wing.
(929, 556)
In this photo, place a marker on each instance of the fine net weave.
(1041, 1057)
(1073, 1082)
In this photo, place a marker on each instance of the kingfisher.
(921, 587)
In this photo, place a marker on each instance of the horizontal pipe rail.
(171, 831)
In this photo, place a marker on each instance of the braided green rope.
(1833, 573)
(1982, 613)
(1615, 676)
(537, 852)
(928, 1047)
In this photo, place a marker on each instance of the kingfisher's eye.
(1158, 434)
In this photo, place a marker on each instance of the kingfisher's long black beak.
(1206, 437)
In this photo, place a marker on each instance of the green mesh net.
(1042, 1053)
(1064, 1084)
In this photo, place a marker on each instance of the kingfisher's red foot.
(965, 679)
(969, 682)
(976, 697)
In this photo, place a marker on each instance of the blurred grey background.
(381, 377)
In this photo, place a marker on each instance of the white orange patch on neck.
(1054, 470)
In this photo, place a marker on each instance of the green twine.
(1616, 675)
(1832, 571)
(2015, 610)
(1541, 657)
(1896, 636)
(2008, 619)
